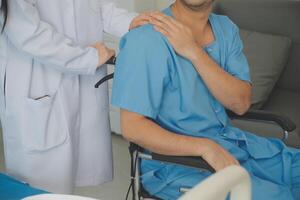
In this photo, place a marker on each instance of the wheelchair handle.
(111, 61)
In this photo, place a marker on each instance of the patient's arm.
(144, 132)
(233, 93)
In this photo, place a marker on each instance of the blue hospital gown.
(154, 81)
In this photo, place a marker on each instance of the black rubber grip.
(103, 80)
(284, 122)
(111, 61)
(190, 161)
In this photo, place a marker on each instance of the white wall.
(113, 42)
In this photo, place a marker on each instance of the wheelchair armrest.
(189, 161)
(261, 115)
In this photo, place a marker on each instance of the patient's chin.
(197, 5)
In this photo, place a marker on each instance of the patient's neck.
(197, 20)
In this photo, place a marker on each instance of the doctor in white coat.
(55, 123)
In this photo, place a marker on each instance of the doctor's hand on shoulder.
(142, 19)
(105, 53)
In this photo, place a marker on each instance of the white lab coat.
(55, 123)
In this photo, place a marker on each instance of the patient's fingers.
(163, 20)
(217, 156)
(160, 24)
(175, 22)
(162, 31)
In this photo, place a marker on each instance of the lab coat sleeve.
(28, 33)
(141, 74)
(116, 20)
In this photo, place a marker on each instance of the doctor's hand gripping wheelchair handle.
(111, 61)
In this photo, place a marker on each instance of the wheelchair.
(137, 153)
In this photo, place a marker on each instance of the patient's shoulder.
(227, 26)
(228, 31)
(144, 36)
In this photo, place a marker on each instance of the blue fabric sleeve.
(141, 72)
(236, 63)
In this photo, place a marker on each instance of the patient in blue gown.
(173, 102)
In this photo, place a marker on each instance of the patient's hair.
(3, 11)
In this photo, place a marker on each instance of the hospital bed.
(137, 153)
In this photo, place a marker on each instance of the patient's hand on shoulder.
(218, 157)
(179, 35)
